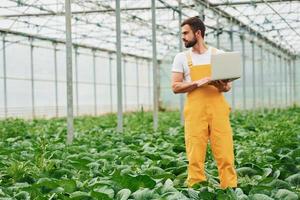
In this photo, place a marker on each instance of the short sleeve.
(219, 51)
(178, 64)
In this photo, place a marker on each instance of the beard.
(191, 43)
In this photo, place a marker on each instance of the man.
(206, 110)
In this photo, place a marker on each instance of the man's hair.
(196, 24)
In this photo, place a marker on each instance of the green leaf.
(261, 189)
(123, 194)
(133, 182)
(193, 194)
(243, 171)
(144, 194)
(276, 174)
(206, 195)
(106, 190)
(176, 196)
(278, 184)
(46, 185)
(68, 185)
(168, 187)
(78, 195)
(22, 195)
(284, 194)
(100, 195)
(294, 180)
(267, 172)
(260, 197)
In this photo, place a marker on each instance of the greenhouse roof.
(93, 22)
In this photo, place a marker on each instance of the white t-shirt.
(180, 61)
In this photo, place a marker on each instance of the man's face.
(188, 36)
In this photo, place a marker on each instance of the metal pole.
(294, 81)
(218, 32)
(275, 78)
(95, 83)
(56, 81)
(125, 85)
(269, 79)
(285, 81)
(181, 96)
(281, 81)
(32, 79)
(119, 67)
(4, 76)
(137, 84)
(290, 82)
(110, 83)
(149, 84)
(262, 77)
(155, 100)
(253, 75)
(244, 71)
(233, 88)
(70, 129)
(76, 81)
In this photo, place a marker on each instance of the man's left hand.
(222, 85)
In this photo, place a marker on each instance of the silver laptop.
(226, 66)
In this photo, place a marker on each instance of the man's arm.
(178, 86)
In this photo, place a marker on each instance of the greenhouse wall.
(34, 81)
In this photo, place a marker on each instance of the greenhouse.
(88, 108)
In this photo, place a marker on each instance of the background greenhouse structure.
(71, 59)
(33, 66)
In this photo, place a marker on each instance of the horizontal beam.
(10, 32)
(237, 3)
(83, 12)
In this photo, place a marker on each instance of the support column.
(233, 84)
(68, 16)
(76, 81)
(125, 85)
(286, 81)
(137, 84)
(253, 75)
(119, 67)
(244, 71)
(149, 83)
(110, 83)
(262, 85)
(4, 77)
(95, 83)
(55, 80)
(181, 96)
(294, 81)
(218, 32)
(269, 80)
(32, 78)
(154, 62)
(275, 79)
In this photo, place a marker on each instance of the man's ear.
(198, 33)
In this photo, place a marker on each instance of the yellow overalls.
(207, 118)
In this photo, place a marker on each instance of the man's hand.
(222, 86)
(202, 81)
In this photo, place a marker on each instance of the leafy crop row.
(35, 162)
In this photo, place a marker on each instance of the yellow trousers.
(207, 119)
(213, 126)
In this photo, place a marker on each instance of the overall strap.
(189, 59)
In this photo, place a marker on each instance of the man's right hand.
(202, 81)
